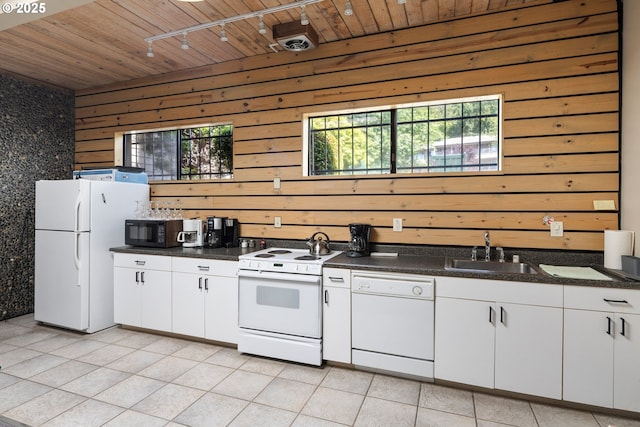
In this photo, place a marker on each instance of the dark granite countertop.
(426, 260)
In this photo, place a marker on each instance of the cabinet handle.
(502, 315)
(616, 301)
(200, 283)
(608, 325)
(622, 332)
(326, 296)
(142, 277)
(490, 314)
(206, 284)
(140, 262)
(203, 267)
(337, 279)
(137, 277)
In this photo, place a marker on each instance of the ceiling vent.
(295, 37)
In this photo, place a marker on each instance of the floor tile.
(53, 343)
(30, 337)
(63, 373)
(7, 380)
(111, 335)
(212, 410)
(5, 348)
(395, 389)
(203, 376)
(432, 418)
(264, 366)
(606, 420)
(44, 407)
(260, 415)
(130, 391)
(137, 340)
(447, 399)
(90, 413)
(550, 416)
(334, 405)
(286, 394)
(136, 361)
(18, 355)
(307, 421)
(228, 357)
(166, 345)
(243, 385)
(306, 374)
(135, 419)
(168, 369)
(34, 366)
(504, 410)
(348, 380)
(378, 412)
(95, 381)
(199, 351)
(105, 355)
(168, 401)
(19, 393)
(77, 349)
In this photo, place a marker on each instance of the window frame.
(393, 108)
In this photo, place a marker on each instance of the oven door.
(284, 303)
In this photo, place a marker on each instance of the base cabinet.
(488, 334)
(602, 347)
(336, 315)
(205, 299)
(142, 291)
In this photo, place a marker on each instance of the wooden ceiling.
(102, 42)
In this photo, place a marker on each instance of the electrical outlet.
(557, 229)
(277, 222)
(276, 183)
(397, 224)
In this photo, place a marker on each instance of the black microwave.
(153, 233)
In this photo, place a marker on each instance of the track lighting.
(304, 19)
(261, 27)
(223, 34)
(348, 10)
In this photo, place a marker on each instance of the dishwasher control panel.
(398, 285)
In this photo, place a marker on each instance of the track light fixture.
(304, 20)
(348, 10)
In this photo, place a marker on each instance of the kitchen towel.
(616, 244)
(570, 272)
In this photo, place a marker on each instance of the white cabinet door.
(529, 349)
(126, 296)
(336, 324)
(188, 304)
(221, 308)
(156, 300)
(626, 392)
(588, 357)
(465, 341)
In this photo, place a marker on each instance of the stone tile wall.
(36, 142)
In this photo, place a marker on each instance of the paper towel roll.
(616, 244)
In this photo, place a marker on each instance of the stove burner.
(279, 251)
(307, 257)
(264, 256)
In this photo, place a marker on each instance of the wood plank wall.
(557, 66)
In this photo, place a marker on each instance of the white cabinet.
(336, 315)
(142, 291)
(205, 298)
(499, 334)
(602, 347)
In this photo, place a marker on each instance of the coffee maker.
(230, 233)
(213, 237)
(191, 235)
(359, 241)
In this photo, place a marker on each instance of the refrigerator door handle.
(76, 221)
(76, 252)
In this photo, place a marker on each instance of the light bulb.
(348, 10)
(304, 19)
(185, 42)
(261, 27)
(223, 35)
(150, 51)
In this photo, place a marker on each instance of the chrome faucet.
(487, 247)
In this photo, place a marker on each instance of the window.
(204, 152)
(450, 136)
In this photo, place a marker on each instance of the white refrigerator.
(77, 222)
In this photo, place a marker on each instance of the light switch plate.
(276, 183)
(604, 205)
(557, 229)
(277, 222)
(397, 224)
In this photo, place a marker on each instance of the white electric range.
(280, 304)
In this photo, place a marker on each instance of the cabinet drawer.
(148, 262)
(602, 299)
(213, 267)
(336, 277)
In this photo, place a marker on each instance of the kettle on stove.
(319, 246)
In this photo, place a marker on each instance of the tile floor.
(120, 377)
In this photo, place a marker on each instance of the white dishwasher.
(392, 323)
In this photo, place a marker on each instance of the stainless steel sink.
(488, 266)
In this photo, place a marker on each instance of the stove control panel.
(285, 267)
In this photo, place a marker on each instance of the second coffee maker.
(359, 241)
